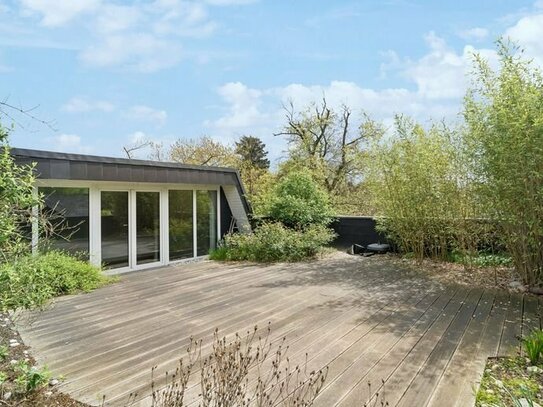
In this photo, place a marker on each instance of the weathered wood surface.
(368, 319)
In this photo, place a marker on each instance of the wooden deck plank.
(466, 362)
(366, 303)
(396, 381)
(530, 318)
(512, 327)
(488, 347)
(367, 318)
(421, 387)
(387, 351)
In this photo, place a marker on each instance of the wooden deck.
(366, 318)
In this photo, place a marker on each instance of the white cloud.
(442, 72)
(439, 77)
(143, 36)
(146, 113)
(475, 34)
(113, 18)
(141, 52)
(59, 12)
(81, 105)
(259, 112)
(528, 32)
(70, 143)
(138, 137)
(243, 106)
(229, 2)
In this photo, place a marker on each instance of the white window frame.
(95, 232)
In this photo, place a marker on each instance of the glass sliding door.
(68, 212)
(147, 227)
(115, 229)
(180, 214)
(206, 221)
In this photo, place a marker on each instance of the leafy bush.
(274, 242)
(16, 202)
(533, 345)
(31, 378)
(504, 115)
(482, 260)
(30, 281)
(416, 178)
(297, 201)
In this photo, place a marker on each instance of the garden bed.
(502, 277)
(510, 382)
(14, 355)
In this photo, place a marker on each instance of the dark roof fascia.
(23, 152)
(30, 155)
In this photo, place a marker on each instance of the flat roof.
(23, 152)
(54, 165)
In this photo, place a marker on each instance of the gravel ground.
(17, 352)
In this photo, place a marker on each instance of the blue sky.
(108, 73)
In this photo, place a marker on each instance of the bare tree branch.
(138, 146)
(6, 109)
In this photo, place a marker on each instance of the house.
(132, 214)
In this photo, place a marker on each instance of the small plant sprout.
(3, 352)
(245, 371)
(31, 378)
(533, 346)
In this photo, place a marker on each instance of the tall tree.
(252, 151)
(253, 164)
(324, 140)
(203, 151)
(504, 115)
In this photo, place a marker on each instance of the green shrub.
(533, 345)
(273, 242)
(504, 115)
(30, 281)
(482, 260)
(31, 378)
(297, 201)
(16, 202)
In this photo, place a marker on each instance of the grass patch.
(507, 381)
(482, 259)
(31, 281)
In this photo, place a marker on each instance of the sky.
(107, 74)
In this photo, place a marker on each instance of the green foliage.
(507, 383)
(482, 260)
(504, 115)
(3, 377)
(273, 242)
(4, 352)
(297, 201)
(533, 345)
(16, 202)
(31, 378)
(415, 179)
(253, 152)
(30, 281)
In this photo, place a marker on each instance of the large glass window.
(68, 211)
(147, 227)
(180, 214)
(114, 218)
(206, 221)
